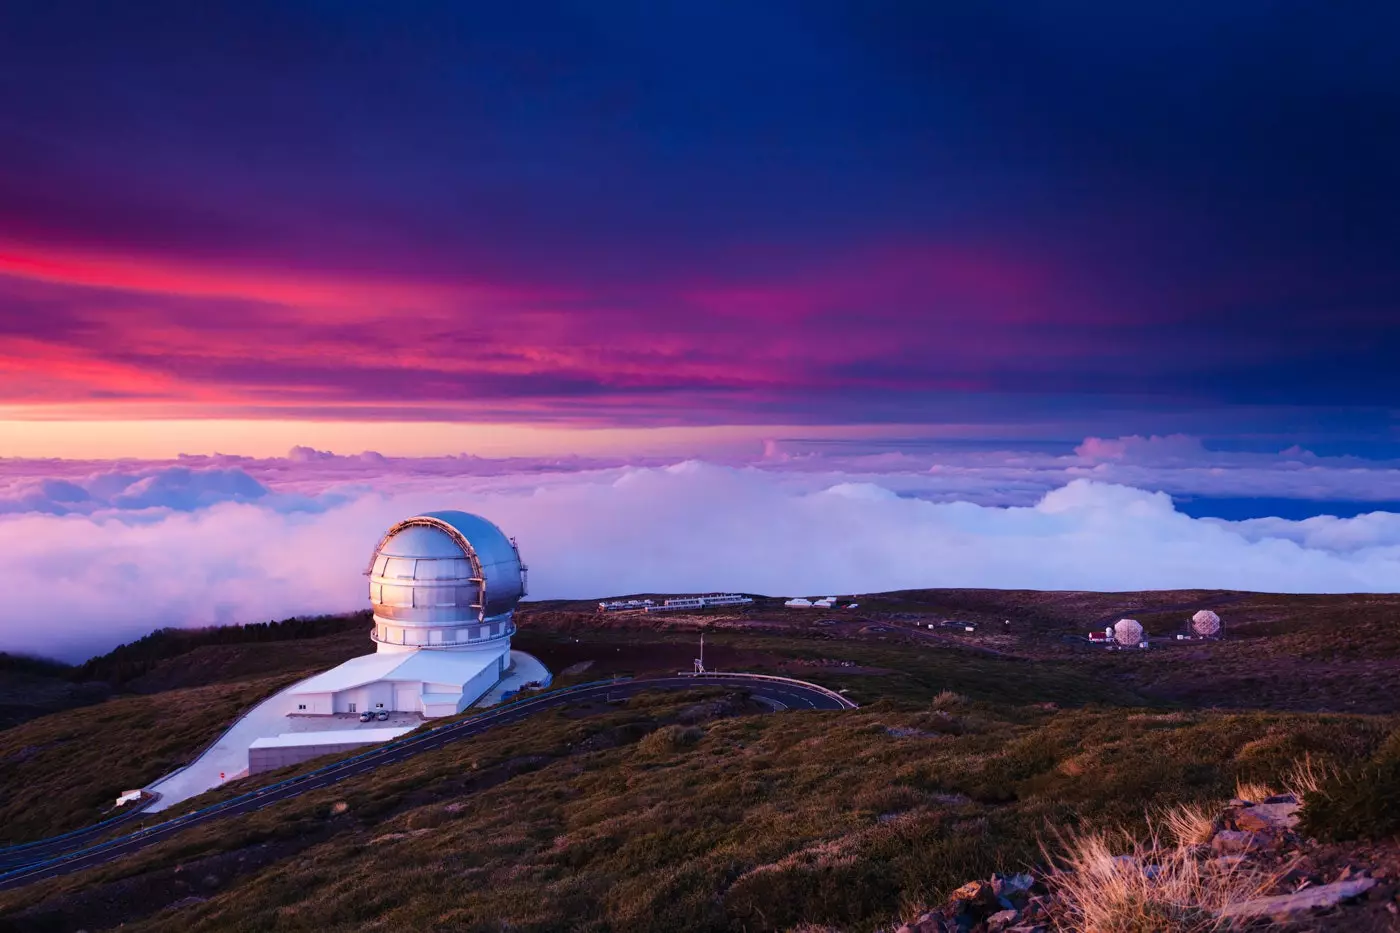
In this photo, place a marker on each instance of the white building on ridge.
(444, 586)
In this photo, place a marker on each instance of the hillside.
(696, 813)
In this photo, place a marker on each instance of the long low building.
(279, 751)
(430, 682)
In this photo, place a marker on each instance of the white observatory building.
(444, 586)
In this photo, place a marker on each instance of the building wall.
(311, 704)
(377, 695)
(482, 682)
(270, 759)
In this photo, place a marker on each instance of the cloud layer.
(183, 546)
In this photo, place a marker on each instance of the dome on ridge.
(440, 568)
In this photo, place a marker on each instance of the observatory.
(1205, 624)
(1128, 633)
(443, 586)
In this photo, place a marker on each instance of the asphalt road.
(60, 856)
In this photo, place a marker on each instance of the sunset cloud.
(114, 551)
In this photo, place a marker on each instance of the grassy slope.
(64, 770)
(768, 820)
(765, 822)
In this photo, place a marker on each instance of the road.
(61, 855)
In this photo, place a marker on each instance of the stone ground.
(1351, 888)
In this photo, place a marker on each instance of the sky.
(1041, 220)
(290, 268)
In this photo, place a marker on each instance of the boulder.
(1235, 842)
(1267, 817)
(977, 896)
(1284, 907)
(1012, 887)
(1002, 919)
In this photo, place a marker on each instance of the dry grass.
(946, 700)
(1307, 776)
(1253, 791)
(1189, 824)
(1150, 888)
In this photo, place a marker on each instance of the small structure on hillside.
(1128, 633)
(709, 601)
(626, 605)
(798, 602)
(1205, 624)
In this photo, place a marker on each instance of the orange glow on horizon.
(164, 439)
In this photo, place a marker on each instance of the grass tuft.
(1110, 883)
(1189, 824)
(946, 700)
(1253, 791)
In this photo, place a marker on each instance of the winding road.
(76, 851)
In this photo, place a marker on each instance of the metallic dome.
(440, 569)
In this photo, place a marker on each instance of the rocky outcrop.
(1004, 904)
(1282, 908)
(1293, 882)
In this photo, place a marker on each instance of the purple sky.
(1038, 220)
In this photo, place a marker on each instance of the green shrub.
(671, 738)
(1358, 803)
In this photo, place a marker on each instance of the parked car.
(382, 715)
(367, 716)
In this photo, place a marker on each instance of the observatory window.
(443, 569)
(374, 593)
(428, 597)
(379, 563)
(400, 568)
(301, 706)
(400, 596)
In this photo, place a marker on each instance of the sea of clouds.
(102, 552)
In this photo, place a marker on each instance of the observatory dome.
(444, 579)
(1205, 623)
(1127, 632)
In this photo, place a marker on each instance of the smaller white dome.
(1127, 632)
(1205, 623)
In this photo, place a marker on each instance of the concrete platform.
(227, 758)
(524, 668)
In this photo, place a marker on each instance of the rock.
(1234, 842)
(1267, 817)
(976, 894)
(906, 928)
(951, 800)
(1283, 907)
(1002, 919)
(1010, 886)
(1226, 862)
